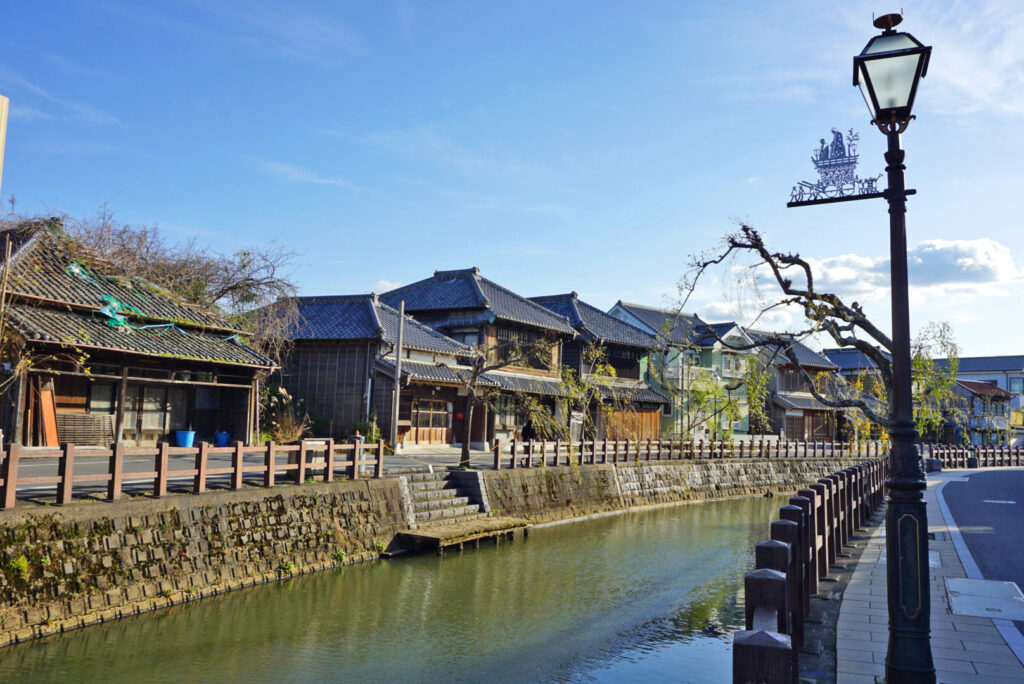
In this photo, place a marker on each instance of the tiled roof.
(714, 332)
(528, 384)
(90, 330)
(365, 317)
(986, 364)
(430, 372)
(986, 388)
(800, 402)
(851, 359)
(675, 326)
(806, 356)
(46, 264)
(595, 324)
(631, 390)
(458, 375)
(467, 289)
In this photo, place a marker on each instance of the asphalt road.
(988, 508)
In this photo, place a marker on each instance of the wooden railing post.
(821, 528)
(237, 462)
(66, 471)
(329, 461)
(806, 500)
(357, 455)
(789, 532)
(160, 485)
(497, 455)
(300, 463)
(10, 471)
(199, 483)
(378, 471)
(513, 454)
(558, 453)
(269, 465)
(770, 588)
(794, 513)
(116, 471)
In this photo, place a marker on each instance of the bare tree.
(253, 287)
(824, 312)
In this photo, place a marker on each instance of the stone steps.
(435, 504)
(435, 498)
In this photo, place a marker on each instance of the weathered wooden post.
(66, 471)
(789, 532)
(329, 461)
(237, 462)
(378, 469)
(794, 512)
(300, 463)
(807, 500)
(515, 444)
(199, 481)
(268, 462)
(160, 485)
(357, 456)
(116, 469)
(763, 652)
(10, 471)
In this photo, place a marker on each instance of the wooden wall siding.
(381, 402)
(330, 379)
(633, 424)
(572, 356)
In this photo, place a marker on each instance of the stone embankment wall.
(90, 562)
(62, 568)
(550, 494)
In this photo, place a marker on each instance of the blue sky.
(587, 146)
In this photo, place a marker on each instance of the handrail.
(810, 533)
(322, 458)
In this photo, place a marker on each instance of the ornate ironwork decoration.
(836, 163)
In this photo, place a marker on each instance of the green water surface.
(641, 596)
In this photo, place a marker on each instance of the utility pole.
(4, 102)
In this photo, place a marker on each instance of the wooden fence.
(529, 454)
(810, 532)
(323, 459)
(960, 456)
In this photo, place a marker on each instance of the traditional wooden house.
(479, 313)
(632, 409)
(697, 367)
(793, 411)
(341, 364)
(91, 358)
(987, 407)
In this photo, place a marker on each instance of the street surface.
(989, 511)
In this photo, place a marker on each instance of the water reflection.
(650, 594)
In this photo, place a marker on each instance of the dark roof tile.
(90, 330)
(365, 317)
(673, 326)
(467, 289)
(595, 324)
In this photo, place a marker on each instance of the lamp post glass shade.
(888, 71)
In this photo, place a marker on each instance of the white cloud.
(940, 266)
(301, 175)
(385, 286)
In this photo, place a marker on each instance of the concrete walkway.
(964, 649)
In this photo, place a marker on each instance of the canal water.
(642, 596)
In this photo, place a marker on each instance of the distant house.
(633, 408)
(988, 412)
(341, 364)
(1005, 372)
(691, 358)
(91, 358)
(477, 312)
(793, 411)
(857, 370)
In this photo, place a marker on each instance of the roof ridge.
(532, 303)
(422, 326)
(374, 317)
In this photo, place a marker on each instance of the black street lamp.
(888, 71)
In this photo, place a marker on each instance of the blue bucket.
(185, 438)
(221, 439)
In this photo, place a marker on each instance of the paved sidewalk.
(964, 649)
